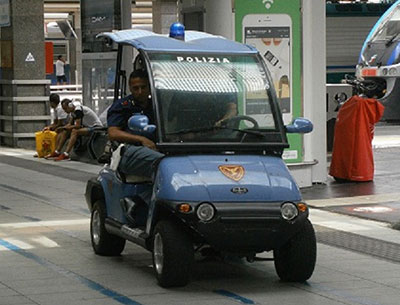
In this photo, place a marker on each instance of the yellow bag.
(45, 142)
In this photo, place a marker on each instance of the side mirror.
(139, 123)
(299, 125)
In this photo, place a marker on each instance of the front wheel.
(173, 255)
(295, 261)
(103, 243)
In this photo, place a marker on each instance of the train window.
(389, 28)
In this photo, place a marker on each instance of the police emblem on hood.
(234, 172)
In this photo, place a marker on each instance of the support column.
(314, 72)
(23, 88)
(165, 12)
(76, 50)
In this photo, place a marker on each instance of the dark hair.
(54, 98)
(65, 102)
(138, 74)
(59, 56)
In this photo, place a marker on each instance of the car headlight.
(289, 211)
(205, 212)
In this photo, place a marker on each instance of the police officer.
(140, 155)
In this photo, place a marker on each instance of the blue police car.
(222, 185)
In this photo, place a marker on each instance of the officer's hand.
(148, 143)
(218, 123)
(221, 123)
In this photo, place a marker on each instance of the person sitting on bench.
(83, 121)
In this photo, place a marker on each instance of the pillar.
(165, 12)
(24, 90)
(314, 71)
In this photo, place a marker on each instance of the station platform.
(47, 258)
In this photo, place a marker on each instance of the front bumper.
(245, 227)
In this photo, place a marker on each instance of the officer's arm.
(231, 112)
(119, 135)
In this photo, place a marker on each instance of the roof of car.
(194, 42)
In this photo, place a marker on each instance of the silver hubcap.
(96, 227)
(158, 253)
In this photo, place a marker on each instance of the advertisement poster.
(274, 29)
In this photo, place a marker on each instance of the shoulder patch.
(125, 103)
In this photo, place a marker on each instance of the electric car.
(222, 185)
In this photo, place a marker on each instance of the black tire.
(173, 255)
(103, 243)
(295, 261)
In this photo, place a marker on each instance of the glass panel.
(213, 98)
(98, 85)
(389, 28)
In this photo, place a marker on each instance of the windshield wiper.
(391, 39)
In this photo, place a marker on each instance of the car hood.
(199, 178)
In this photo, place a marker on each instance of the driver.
(140, 156)
(229, 112)
(192, 110)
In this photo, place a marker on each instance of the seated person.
(59, 116)
(140, 156)
(83, 121)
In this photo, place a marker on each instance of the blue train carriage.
(380, 59)
(221, 188)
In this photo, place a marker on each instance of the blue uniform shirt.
(121, 110)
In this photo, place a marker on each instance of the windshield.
(389, 29)
(213, 98)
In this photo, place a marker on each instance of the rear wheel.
(173, 255)
(295, 261)
(103, 243)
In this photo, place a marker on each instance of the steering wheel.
(231, 122)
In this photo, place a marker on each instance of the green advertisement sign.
(274, 28)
